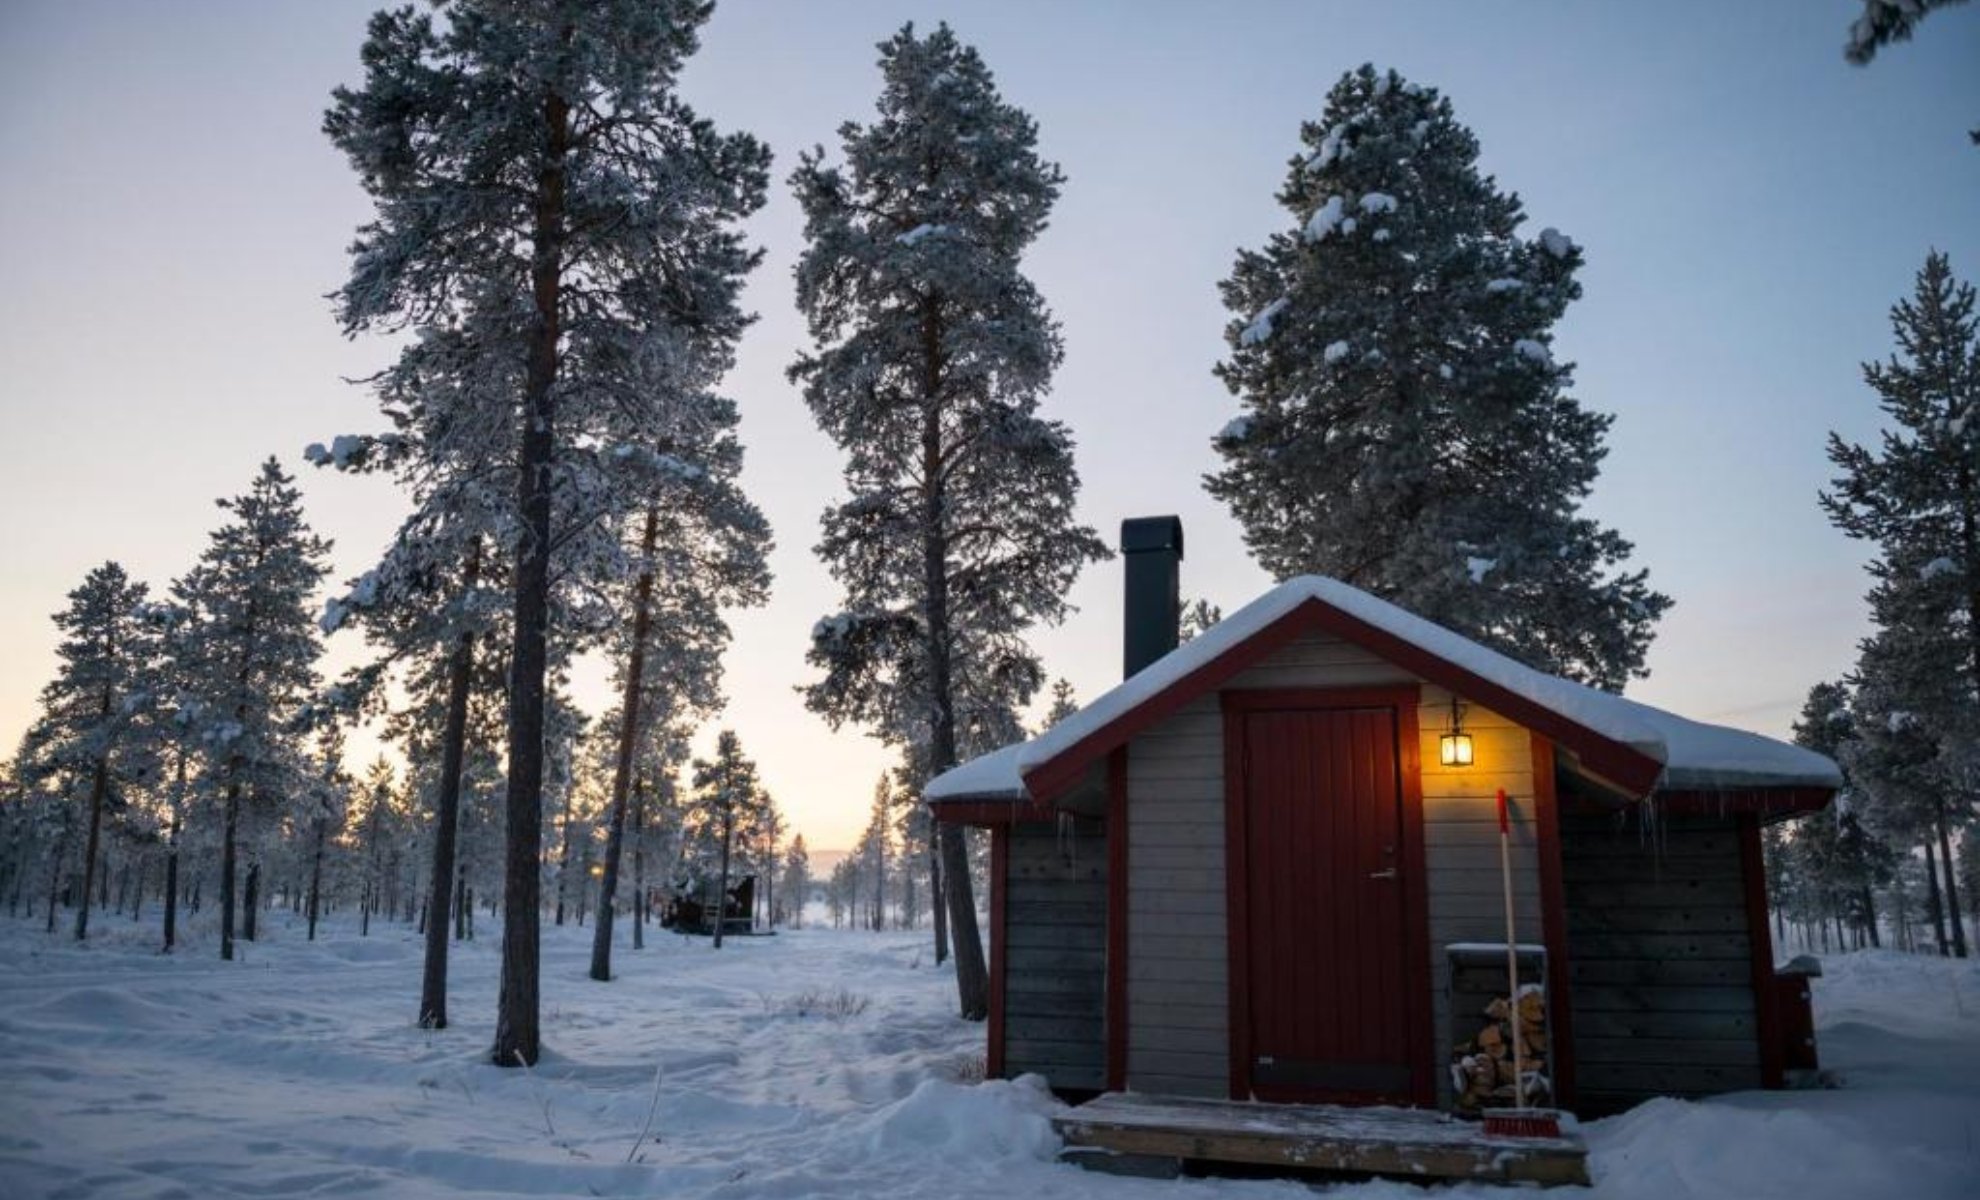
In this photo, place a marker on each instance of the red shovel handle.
(1505, 825)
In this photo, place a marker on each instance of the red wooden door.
(1330, 1014)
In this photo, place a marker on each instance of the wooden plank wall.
(1178, 1031)
(1178, 997)
(1660, 959)
(1461, 848)
(1056, 940)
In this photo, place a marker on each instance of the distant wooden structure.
(1252, 872)
(692, 908)
(1156, 1136)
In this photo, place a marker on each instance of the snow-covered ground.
(809, 1064)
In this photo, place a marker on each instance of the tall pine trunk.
(99, 783)
(615, 829)
(972, 976)
(639, 868)
(1952, 887)
(229, 829)
(1934, 904)
(446, 822)
(722, 887)
(251, 902)
(938, 908)
(564, 858)
(316, 879)
(517, 1034)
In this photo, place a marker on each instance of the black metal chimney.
(1152, 548)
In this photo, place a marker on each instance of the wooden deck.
(1145, 1134)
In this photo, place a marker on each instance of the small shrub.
(969, 1069)
(834, 1004)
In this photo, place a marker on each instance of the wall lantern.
(1454, 747)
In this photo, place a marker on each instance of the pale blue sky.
(1750, 206)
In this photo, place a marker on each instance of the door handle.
(1388, 874)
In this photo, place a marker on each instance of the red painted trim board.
(1000, 892)
(1753, 872)
(1553, 907)
(1117, 919)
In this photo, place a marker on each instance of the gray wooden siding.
(1055, 936)
(1177, 983)
(1660, 960)
(1461, 849)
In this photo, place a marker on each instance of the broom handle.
(1512, 953)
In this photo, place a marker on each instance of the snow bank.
(986, 1124)
(1695, 755)
(298, 1071)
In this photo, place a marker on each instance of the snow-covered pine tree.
(875, 847)
(327, 805)
(1836, 859)
(770, 829)
(1196, 618)
(540, 187)
(932, 353)
(82, 742)
(1406, 427)
(1063, 703)
(796, 884)
(700, 549)
(250, 651)
(725, 807)
(1916, 496)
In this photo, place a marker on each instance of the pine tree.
(543, 192)
(1838, 861)
(701, 549)
(796, 884)
(1884, 22)
(932, 352)
(1406, 427)
(1917, 498)
(82, 742)
(1063, 703)
(728, 800)
(1197, 617)
(250, 649)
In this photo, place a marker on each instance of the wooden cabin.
(1252, 871)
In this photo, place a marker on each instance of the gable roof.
(1633, 747)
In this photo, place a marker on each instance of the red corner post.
(1766, 1006)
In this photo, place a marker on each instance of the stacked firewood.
(1482, 1068)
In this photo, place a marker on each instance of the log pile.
(1482, 1067)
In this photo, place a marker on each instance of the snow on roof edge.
(1696, 756)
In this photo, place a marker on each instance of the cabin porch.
(1132, 1133)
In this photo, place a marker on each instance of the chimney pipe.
(1152, 548)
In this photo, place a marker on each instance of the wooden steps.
(1146, 1133)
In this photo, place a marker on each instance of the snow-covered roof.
(1694, 756)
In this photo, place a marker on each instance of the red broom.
(1519, 1120)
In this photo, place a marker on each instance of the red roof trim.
(1623, 764)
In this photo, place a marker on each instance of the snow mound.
(990, 1122)
(1678, 1149)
